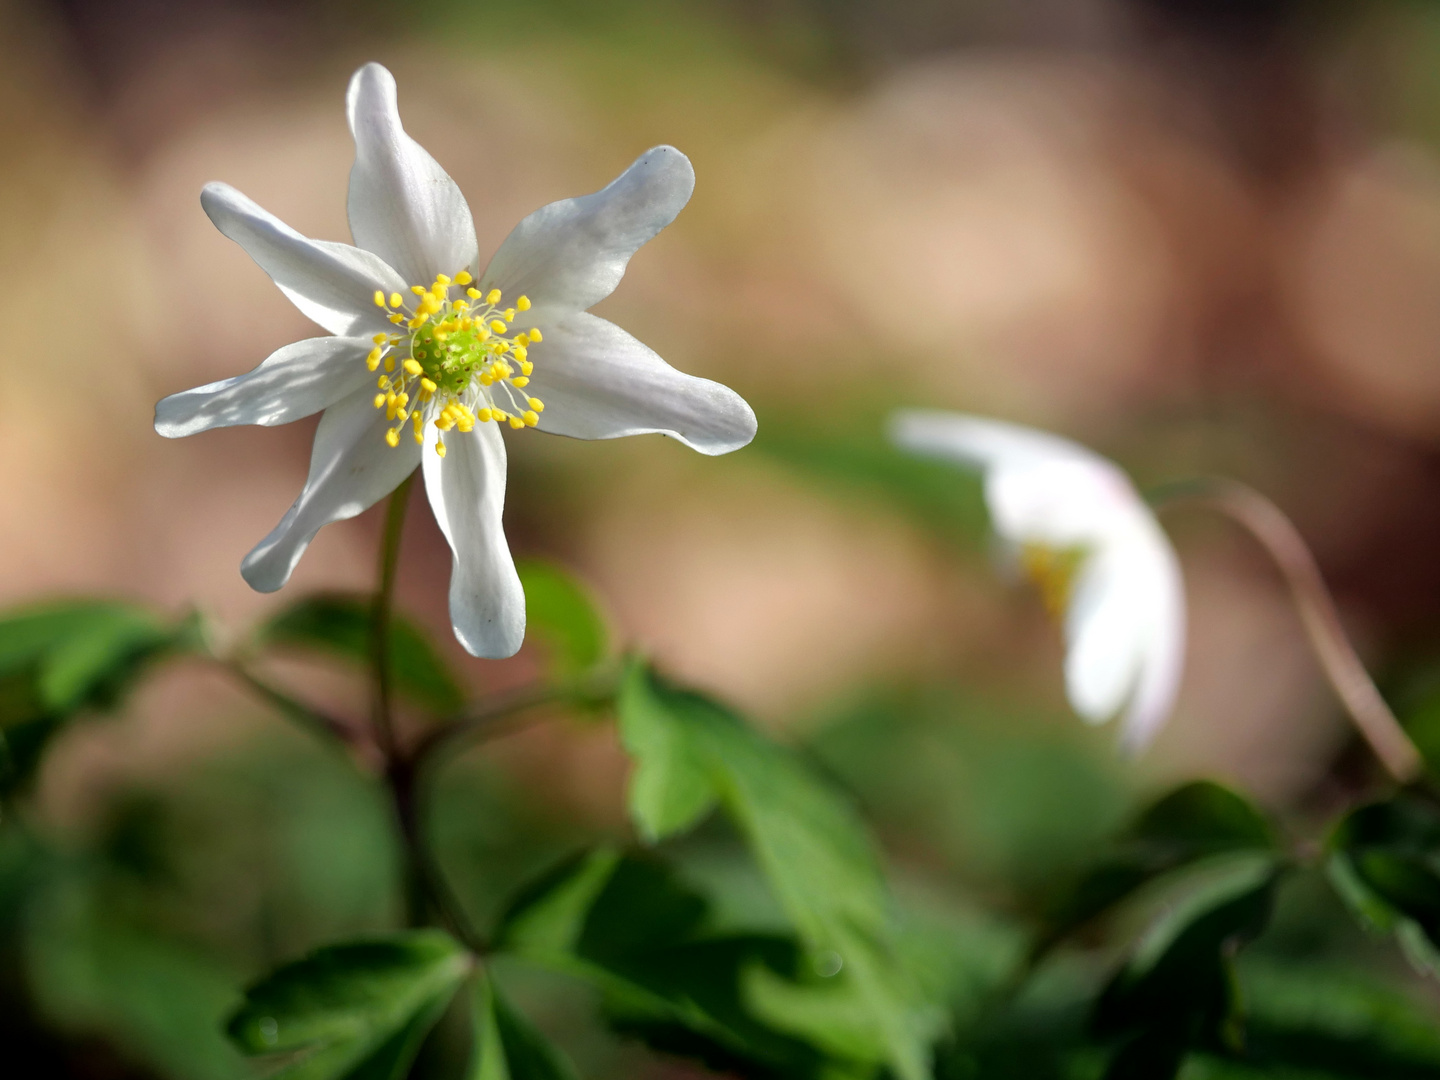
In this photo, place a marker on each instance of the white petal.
(403, 206)
(351, 468)
(1164, 657)
(1126, 630)
(980, 441)
(598, 382)
(293, 382)
(1062, 502)
(571, 254)
(334, 284)
(467, 494)
(1105, 625)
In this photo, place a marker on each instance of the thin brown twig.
(1268, 524)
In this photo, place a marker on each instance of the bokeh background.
(1201, 235)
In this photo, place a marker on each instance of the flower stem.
(380, 617)
(1268, 524)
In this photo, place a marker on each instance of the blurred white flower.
(1081, 532)
(410, 303)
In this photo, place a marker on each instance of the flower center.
(457, 365)
(1052, 570)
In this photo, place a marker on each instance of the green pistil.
(453, 363)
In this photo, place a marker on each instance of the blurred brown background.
(1202, 236)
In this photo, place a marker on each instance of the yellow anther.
(516, 423)
(483, 416)
(439, 447)
(428, 386)
(418, 290)
(531, 418)
(396, 299)
(459, 305)
(397, 318)
(401, 415)
(520, 352)
(465, 423)
(526, 367)
(486, 379)
(497, 326)
(519, 382)
(373, 360)
(499, 414)
(483, 332)
(533, 334)
(523, 303)
(383, 383)
(463, 278)
(492, 297)
(420, 435)
(509, 314)
(379, 401)
(379, 298)
(403, 398)
(444, 423)
(536, 404)
(521, 339)
(419, 321)
(474, 294)
(389, 363)
(418, 419)
(412, 366)
(442, 279)
(393, 437)
(381, 339)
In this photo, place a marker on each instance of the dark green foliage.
(1194, 822)
(338, 624)
(1384, 860)
(630, 927)
(506, 1046)
(561, 614)
(691, 754)
(1178, 990)
(357, 1010)
(63, 659)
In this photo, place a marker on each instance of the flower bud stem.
(1268, 524)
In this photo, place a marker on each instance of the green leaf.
(59, 660)
(629, 927)
(1179, 990)
(1384, 861)
(561, 613)
(506, 1046)
(159, 998)
(338, 624)
(1194, 822)
(1337, 1021)
(815, 852)
(358, 1010)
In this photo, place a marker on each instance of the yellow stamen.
(523, 304)
(531, 418)
(492, 297)
(536, 404)
(379, 298)
(533, 334)
(396, 299)
(463, 278)
(392, 437)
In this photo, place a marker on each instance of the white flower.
(428, 353)
(1081, 531)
